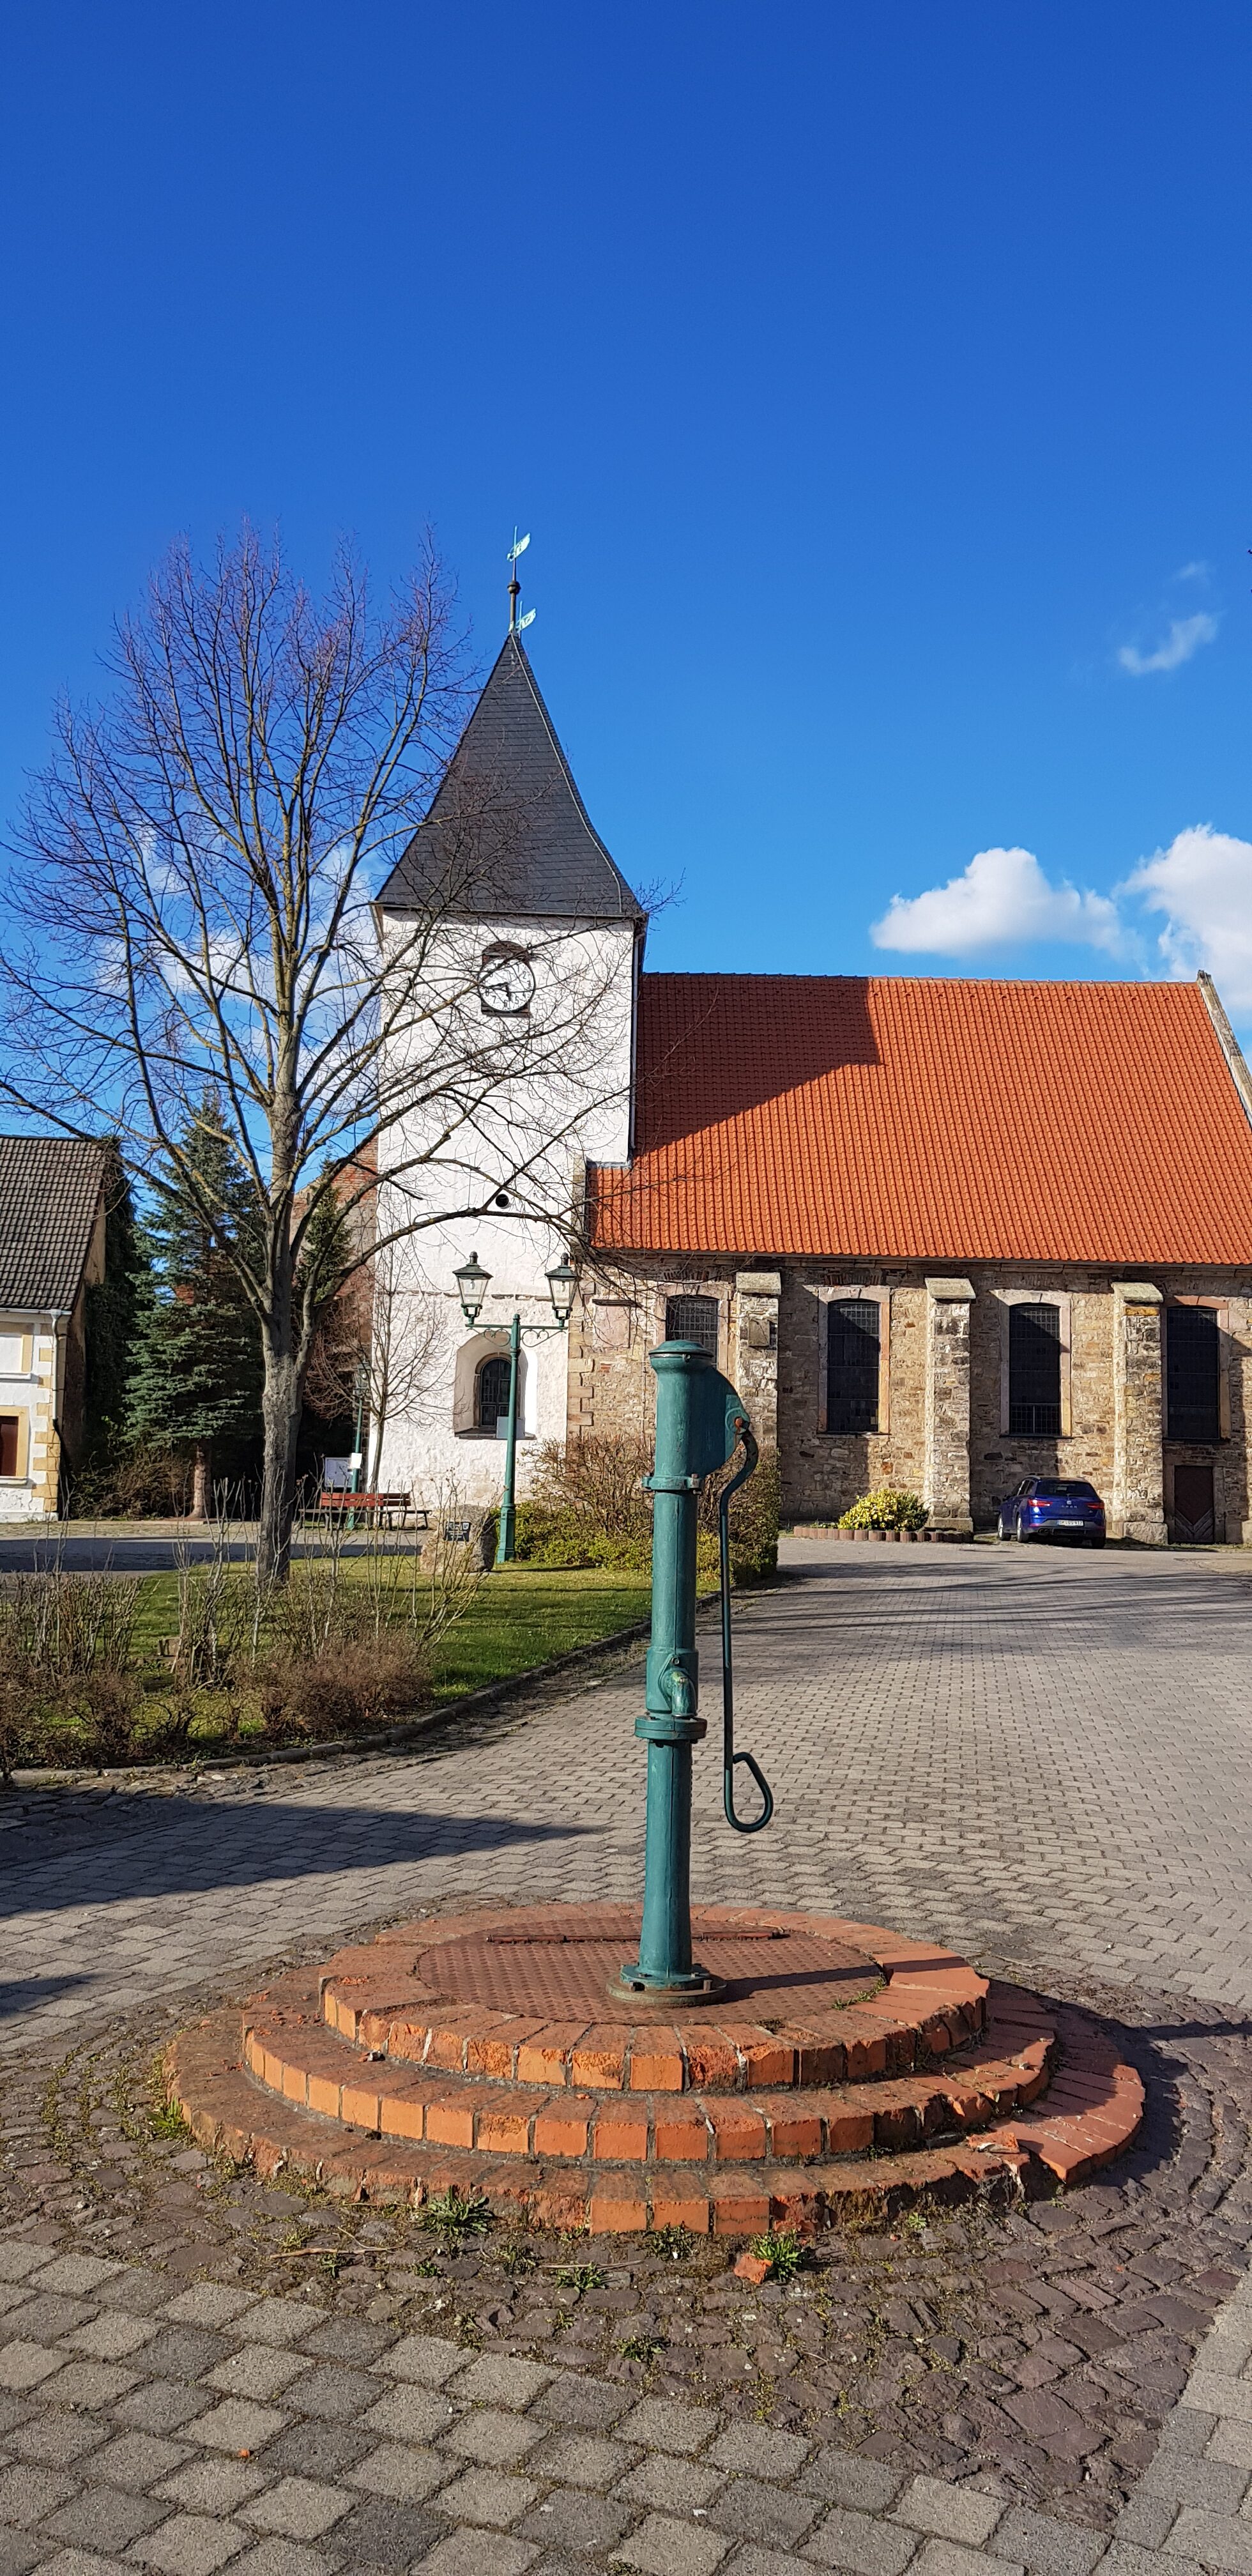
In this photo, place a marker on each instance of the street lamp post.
(472, 1284)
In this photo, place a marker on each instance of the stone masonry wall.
(621, 1317)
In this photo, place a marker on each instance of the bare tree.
(196, 874)
(380, 1343)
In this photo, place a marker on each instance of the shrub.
(888, 1507)
(352, 1685)
(591, 1508)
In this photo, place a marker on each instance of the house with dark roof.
(52, 1246)
(920, 1265)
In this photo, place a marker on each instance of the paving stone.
(755, 2561)
(136, 2291)
(663, 2426)
(111, 2336)
(49, 2319)
(425, 2358)
(579, 2459)
(1229, 2443)
(328, 2389)
(260, 2370)
(15, 2409)
(214, 2486)
(78, 2274)
(19, 2260)
(1214, 2396)
(54, 2441)
(349, 2339)
(570, 2398)
(953, 2513)
(665, 2548)
(318, 2450)
(28, 2493)
(186, 2352)
(90, 2383)
(159, 2405)
(865, 2548)
(137, 2460)
(1146, 2519)
(1123, 2558)
(843, 2477)
(1044, 2546)
(273, 2321)
(461, 2554)
(276, 2557)
(948, 2558)
(404, 2471)
(1217, 2539)
(209, 2303)
(382, 2533)
(191, 2544)
(299, 2508)
(754, 2510)
(18, 2553)
(106, 2518)
(496, 2440)
(487, 2495)
(670, 2484)
(496, 2381)
(236, 2425)
(760, 2451)
(571, 2519)
(23, 2365)
(409, 2414)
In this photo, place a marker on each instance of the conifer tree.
(198, 1367)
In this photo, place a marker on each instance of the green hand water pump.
(700, 1422)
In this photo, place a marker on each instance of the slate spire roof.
(49, 1195)
(507, 832)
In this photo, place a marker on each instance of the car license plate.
(1068, 1520)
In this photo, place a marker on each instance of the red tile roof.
(920, 1118)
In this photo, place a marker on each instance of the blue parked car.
(1063, 1507)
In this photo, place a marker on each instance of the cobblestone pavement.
(1043, 1760)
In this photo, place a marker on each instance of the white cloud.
(1203, 885)
(1197, 571)
(1001, 899)
(1186, 635)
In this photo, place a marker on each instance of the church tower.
(520, 942)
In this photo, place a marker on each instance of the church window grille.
(692, 1319)
(1192, 1373)
(1035, 1371)
(853, 1355)
(493, 1393)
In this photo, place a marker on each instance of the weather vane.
(517, 624)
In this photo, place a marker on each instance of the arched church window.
(492, 1393)
(853, 1363)
(692, 1319)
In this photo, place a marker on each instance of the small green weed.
(642, 2347)
(781, 2248)
(675, 2243)
(165, 2120)
(580, 2277)
(447, 2214)
(517, 2258)
(428, 2268)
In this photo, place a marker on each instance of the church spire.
(517, 622)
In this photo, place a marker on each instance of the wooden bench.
(336, 1499)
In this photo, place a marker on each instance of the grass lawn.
(523, 1615)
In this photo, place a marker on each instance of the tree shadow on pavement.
(145, 1848)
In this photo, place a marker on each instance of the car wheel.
(1020, 1534)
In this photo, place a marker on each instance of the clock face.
(506, 984)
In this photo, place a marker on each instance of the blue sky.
(874, 383)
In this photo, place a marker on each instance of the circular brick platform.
(843, 2068)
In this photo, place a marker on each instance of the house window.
(1192, 1373)
(853, 1354)
(8, 1444)
(492, 1392)
(692, 1319)
(1035, 1370)
(12, 1355)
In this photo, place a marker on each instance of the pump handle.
(740, 1825)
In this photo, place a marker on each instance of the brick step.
(913, 2004)
(1091, 2115)
(290, 2052)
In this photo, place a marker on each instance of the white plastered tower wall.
(531, 1143)
(503, 1092)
